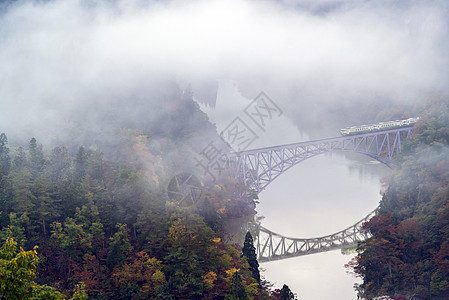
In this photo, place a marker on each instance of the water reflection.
(320, 196)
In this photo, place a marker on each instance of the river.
(319, 196)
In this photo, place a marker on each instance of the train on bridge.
(379, 126)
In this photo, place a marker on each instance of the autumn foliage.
(408, 254)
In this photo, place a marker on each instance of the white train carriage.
(379, 126)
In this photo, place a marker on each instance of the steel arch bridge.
(273, 246)
(259, 167)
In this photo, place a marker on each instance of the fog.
(58, 55)
(317, 59)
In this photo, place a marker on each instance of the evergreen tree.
(286, 293)
(47, 207)
(249, 251)
(81, 163)
(36, 157)
(20, 183)
(5, 184)
(20, 160)
(60, 163)
(119, 246)
(5, 160)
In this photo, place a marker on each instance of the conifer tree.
(119, 246)
(20, 160)
(60, 163)
(5, 160)
(36, 157)
(81, 163)
(249, 251)
(286, 293)
(5, 185)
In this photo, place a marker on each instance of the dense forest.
(94, 220)
(87, 214)
(101, 119)
(407, 256)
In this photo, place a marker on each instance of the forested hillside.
(408, 254)
(99, 213)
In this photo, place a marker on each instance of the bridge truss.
(259, 167)
(272, 246)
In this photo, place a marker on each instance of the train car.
(379, 126)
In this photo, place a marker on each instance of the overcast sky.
(56, 54)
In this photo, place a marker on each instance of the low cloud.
(58, 55)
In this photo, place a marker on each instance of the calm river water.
(319, 196)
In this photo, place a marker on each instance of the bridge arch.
(272, 246)
(259, 167)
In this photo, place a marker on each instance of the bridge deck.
(314, 142)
